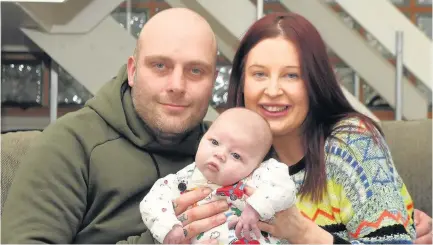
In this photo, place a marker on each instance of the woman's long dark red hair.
(327, 103)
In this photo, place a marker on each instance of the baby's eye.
(236, 156)
(214, 142)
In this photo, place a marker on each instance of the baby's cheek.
(235, 173)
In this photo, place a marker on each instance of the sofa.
(410, 143)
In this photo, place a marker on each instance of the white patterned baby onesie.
(275, 191)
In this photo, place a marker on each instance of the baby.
(228, 158)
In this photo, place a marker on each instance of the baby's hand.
(175, 236)
(248, 223)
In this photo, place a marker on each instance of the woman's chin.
(281, 130)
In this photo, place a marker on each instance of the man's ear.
(131, 68)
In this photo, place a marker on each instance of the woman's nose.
(273, 88)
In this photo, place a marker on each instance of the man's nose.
(176, 82)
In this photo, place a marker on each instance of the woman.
(348, 187)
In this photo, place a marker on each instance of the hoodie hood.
(113, 103)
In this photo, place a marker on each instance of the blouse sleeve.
(374, 202)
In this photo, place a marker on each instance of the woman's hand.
(423, 226)
(292, 226)
(201, 218)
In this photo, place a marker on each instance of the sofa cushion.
(410, 143)
(14, 146)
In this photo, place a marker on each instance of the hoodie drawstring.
(156, 165)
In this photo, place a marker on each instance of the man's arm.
(145, 238)
(47, 199)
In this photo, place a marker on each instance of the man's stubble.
(166, 130)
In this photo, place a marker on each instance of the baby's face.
(228, 153)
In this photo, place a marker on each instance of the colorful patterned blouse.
(366, 201)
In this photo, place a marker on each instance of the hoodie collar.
(114, 104)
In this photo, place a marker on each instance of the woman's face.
(274, 87)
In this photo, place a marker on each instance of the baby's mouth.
(213, 167)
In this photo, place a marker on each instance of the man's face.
(172, 77)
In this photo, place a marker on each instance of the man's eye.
(214, 142)
(236, 156)
(196, 71)
(159, 66)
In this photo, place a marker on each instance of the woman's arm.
(374, 202)
(292, 226)
(377, 207)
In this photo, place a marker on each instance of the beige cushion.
(410, 143)
(13, 147)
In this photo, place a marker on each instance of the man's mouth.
(174, 105)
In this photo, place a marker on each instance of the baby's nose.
(220, 156)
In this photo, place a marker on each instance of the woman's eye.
(292, 76)
(259, 74)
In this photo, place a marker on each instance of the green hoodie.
(84, 178)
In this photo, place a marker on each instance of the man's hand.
(248, 223)
(201, 218)
(423, 226)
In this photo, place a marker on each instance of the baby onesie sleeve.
(275, 189)
(156, 208)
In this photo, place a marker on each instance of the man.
(84, 178)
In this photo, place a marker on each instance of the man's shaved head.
(175, 20)
(172, 72)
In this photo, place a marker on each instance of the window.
(372, 99)
(137, 21)
(400, 2)
(220, 91)
(21, 83)
(345, 76)
(424, 2)
(71, 92)
(424, 22)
